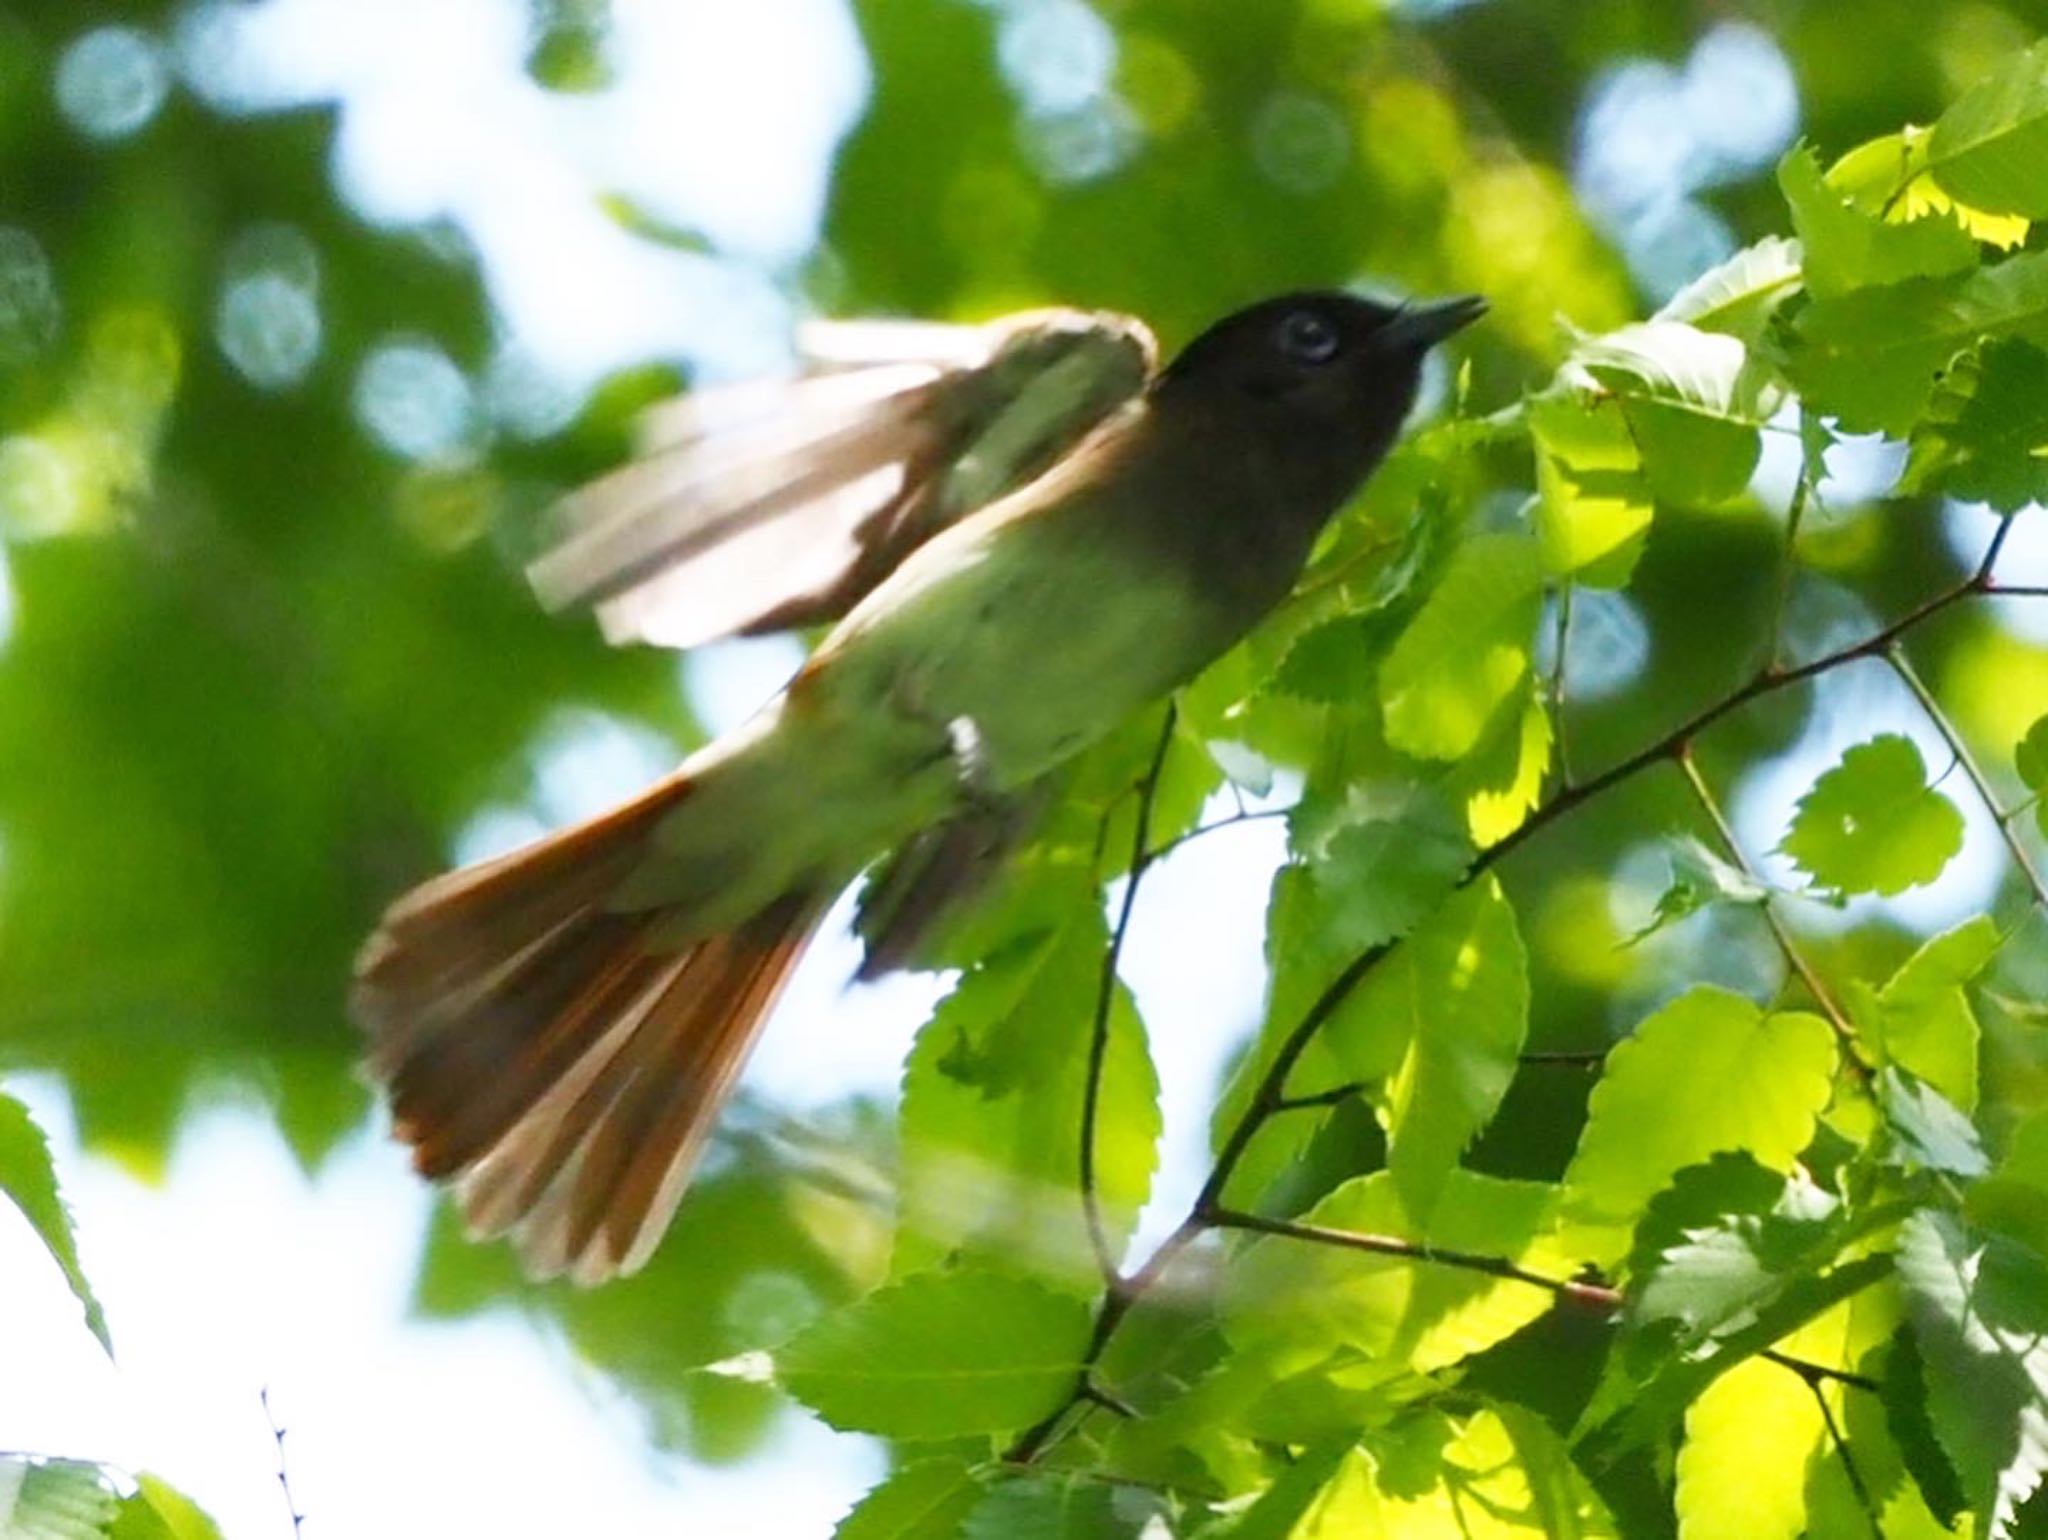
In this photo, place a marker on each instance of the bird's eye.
(1308, 338)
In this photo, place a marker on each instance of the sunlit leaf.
(1888, 177)
(1989, 148)
(158, 1511)
(939, 1355)
(1709, 1072)
(1405, 1314)
(1980, 1313)
(1922, 1019)
(29, 1178)
(924, 1500)
(1742, 1471)
(2030, 758)
(991, 1117)
(1693, 401)
(1875, 356)
(1466, 650)
(1845, 248)
(53, 1499)
(1873, 824)
(1438, 1027)
(1593, 505)
(1741, 295)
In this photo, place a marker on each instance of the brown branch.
(1577, 1291)
(1911, 679)
(1794, 958)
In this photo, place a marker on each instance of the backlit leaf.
(1466, 650)
(28, 1177)
(1846, 248)
(939, 1355)
(1989, 149)
(1873, 824)
(924, 1500)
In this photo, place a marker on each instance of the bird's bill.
(1425, 325)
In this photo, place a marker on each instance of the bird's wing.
(781, 503)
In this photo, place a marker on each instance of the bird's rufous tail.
(550, 1054)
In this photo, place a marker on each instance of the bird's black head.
(1327, 366)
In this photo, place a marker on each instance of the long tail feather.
(550, 1055)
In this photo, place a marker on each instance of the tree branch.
(1896, 657)
(1814, 1374)
(1577, 1291)
(1105, 1001)
(1795, 959)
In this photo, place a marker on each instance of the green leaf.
(1593, 506)
(1979, 1309)
(1985, 428)
(29, 1178)
(1046, 1507)
(1750, 1438)
(1904, 1392)
(1439, 1028)
(159, 1511)
(1873, 824)
(2030, 758)
(1501, 781)
(1296, 1300)
(1693, 401)
(1874, 357)
(53, 1499)
(1921, 1018)
(1989, 149)
(1739, 297)
(924, 1500)
(1332, 1472)
(991, 1114)
(1375, 878)
(2013, 1199)
(1925, 1130)
(1709, 1072)
(1846, 248)
(1888, 177)
(1466, 650)
(939, 1355)
(1728, 1258)
(1699, 879)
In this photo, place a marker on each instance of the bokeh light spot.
(111, 81)
(39, 490)
(1056, 55)
(1083, 145)
(1301, 143)
(269, 328)
(29, 311)
(415, 401)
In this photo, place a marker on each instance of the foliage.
(1532, 1209)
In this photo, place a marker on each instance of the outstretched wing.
(782, 503)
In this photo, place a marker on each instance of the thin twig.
(284, 1479)
(1329, 1098)
(1580, 1058)
(1787, 946)
(1810, 1371)
(1896, 657)
(1564, 644)
(1788, 569)
(1577, 1291)
(1813, 1375)
(2017, 590)
(1228, 821)
(1105, 1000)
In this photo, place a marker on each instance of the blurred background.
(308, 308)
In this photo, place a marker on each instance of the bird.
(1019, 534)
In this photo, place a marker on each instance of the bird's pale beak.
(1425, 325)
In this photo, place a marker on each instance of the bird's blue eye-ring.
(1308, 338)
